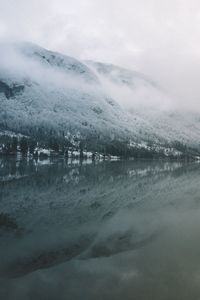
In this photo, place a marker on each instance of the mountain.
(53, 98)
(145, 99)
(51, 91)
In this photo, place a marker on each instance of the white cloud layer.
(158, 37)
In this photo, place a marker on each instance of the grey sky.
(158, 37)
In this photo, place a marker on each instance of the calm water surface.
(107, 230)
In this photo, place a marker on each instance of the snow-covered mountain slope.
(46, 93)
(44, 90)
(146, 99)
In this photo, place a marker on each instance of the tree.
(24, 145)
(32, 145)
(14, 144)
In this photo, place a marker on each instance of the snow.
(149, 105)
(60, 97)
(84, 100)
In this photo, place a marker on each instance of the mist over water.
(107, 230)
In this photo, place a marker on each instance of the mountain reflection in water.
(107, 230)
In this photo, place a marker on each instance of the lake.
(99, 230)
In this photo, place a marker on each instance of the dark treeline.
(11, 145)
(61, 145)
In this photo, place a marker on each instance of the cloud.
(159, 38)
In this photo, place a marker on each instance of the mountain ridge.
(46, 95)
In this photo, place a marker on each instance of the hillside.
(145, 99)
(62, 103)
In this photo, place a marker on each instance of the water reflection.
(127, 229)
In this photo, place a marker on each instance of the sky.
(160, 38)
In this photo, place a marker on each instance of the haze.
(158, 38)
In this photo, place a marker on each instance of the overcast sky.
(158, 37)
